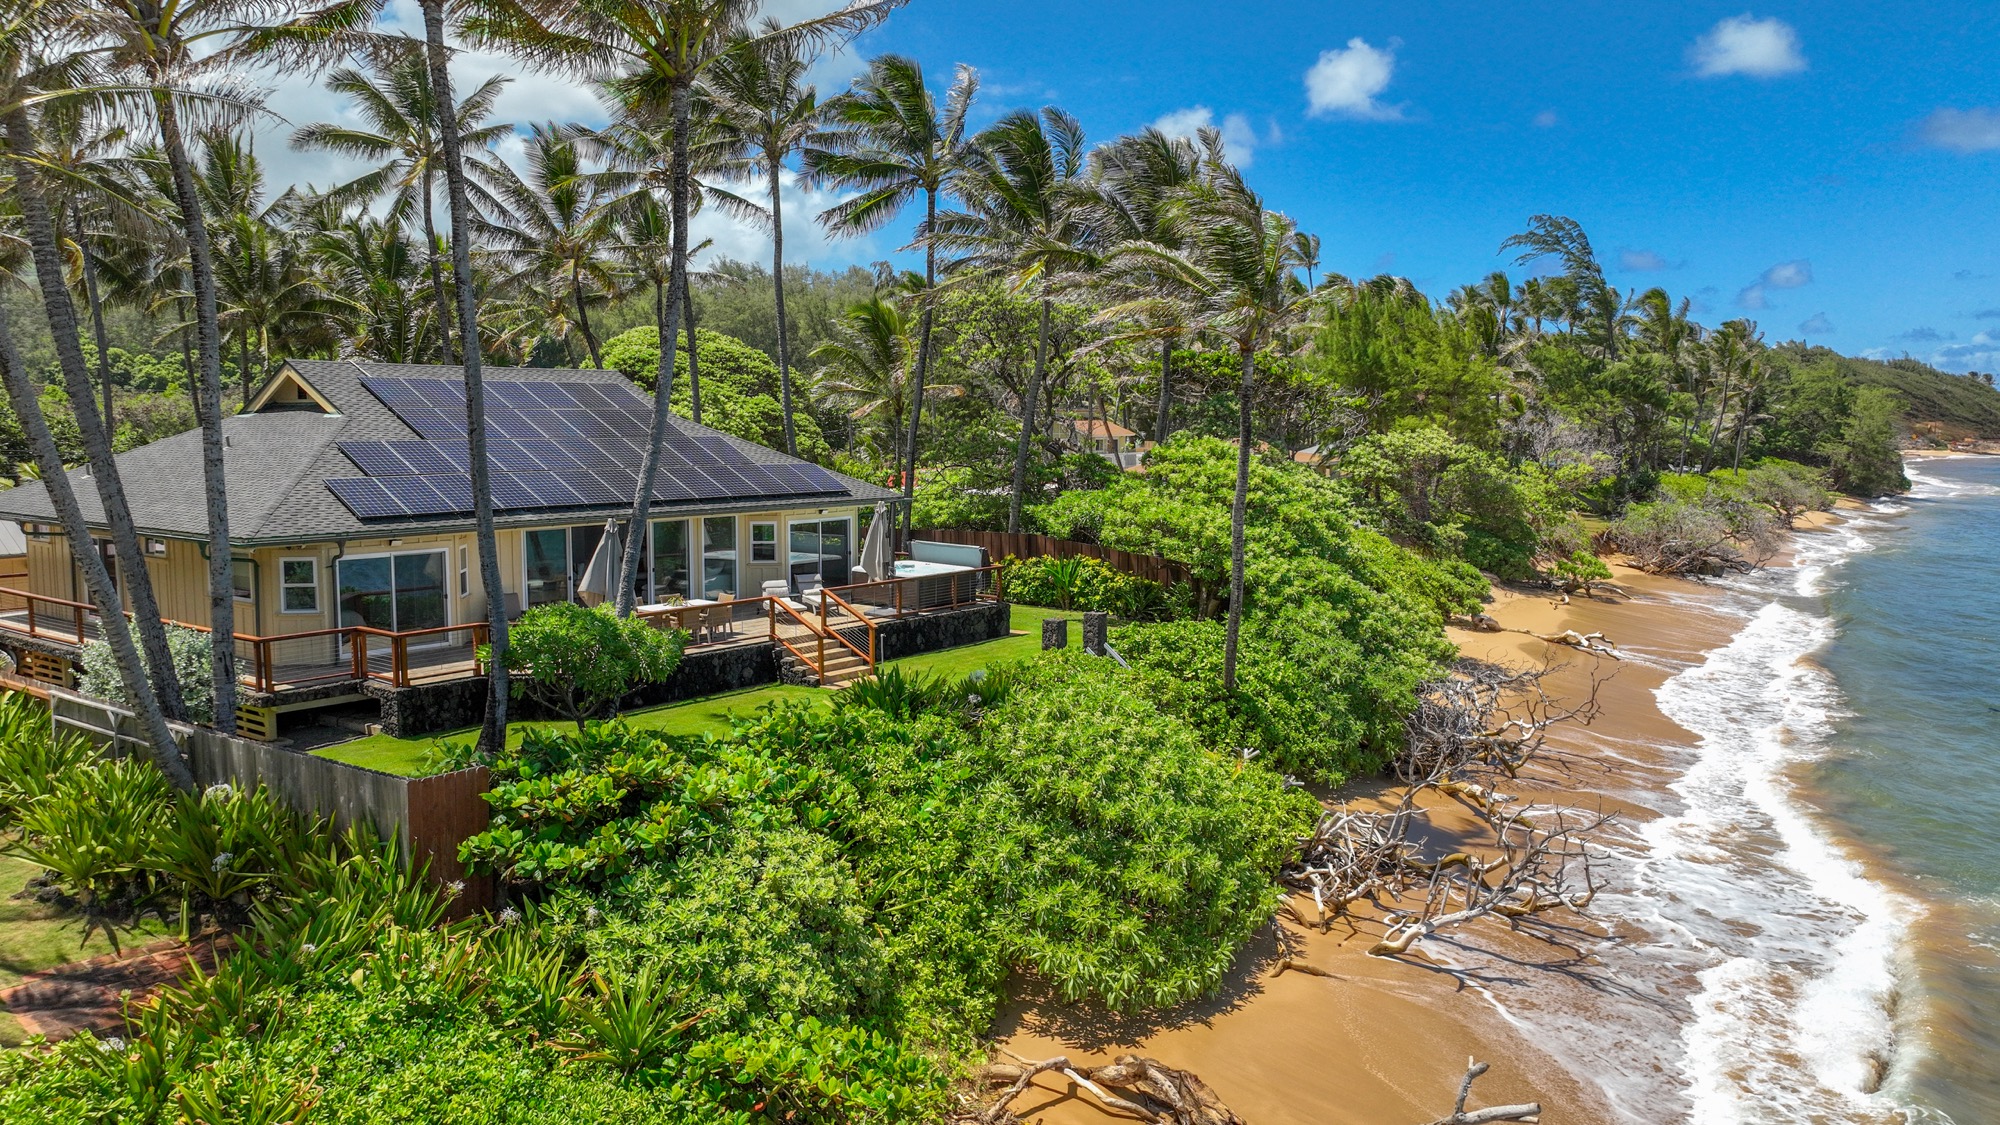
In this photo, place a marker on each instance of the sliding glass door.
(822, 549)
(672, 574)
(396, 593)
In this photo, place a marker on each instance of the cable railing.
(815, 628)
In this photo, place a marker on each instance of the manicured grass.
(410, 757)
(1026, 624)
(35, 936)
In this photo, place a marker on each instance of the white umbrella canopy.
(875, 561)
(601, 576)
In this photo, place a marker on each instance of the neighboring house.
(1108, 440)
(351, 517)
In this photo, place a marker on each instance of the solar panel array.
(550, 445)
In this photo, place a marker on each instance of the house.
(1108, 440)
(353, 542)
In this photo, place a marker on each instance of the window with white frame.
(464, 571)
(763, 541)
(298, 585)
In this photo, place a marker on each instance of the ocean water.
(1816, 913)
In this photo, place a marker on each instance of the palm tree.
(890, 142)
(395, 101)
(638, 153)
(26, 76)
(82, 155)
(379, 271)
(165, 50)
(458, 198)
(868, 363)
(26, 81)
(550, 232)
(1238, 279)
(1136, 180)
(764, 106)
(650, 54)
(1027, 220)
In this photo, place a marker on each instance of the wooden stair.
(843, 669)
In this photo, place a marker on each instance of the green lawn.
(411, 756)
(35, 936)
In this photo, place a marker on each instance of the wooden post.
(357, 651)
(31, 615)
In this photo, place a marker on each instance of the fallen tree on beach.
(1143, 1088)
(1482, 723)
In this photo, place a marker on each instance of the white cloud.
(1981, 353)
(1547, 119)
(1346, 81)
(1784, 275)
(1239, 138)
(1767, 48)
(1962, 130)
(1816, 325)
(1642, 261)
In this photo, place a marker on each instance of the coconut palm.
(1136, 179)
(380, 271)
(764, 106)
(170, 51)
(869, 364)
(27, 74)
(637, 151)
(82, 157)
(398, 108)
(1026, 220)
(1238, 279)
(26, 81)
(890, 142)
(650, 54)
(550, 233)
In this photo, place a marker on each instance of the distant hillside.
(1956, 406)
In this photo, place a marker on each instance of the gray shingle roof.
(277, 460)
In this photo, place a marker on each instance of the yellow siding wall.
(180, 577)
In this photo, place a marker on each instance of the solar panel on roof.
(553, 444)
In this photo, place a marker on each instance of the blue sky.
(1831, 170)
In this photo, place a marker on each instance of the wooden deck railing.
(846, 617)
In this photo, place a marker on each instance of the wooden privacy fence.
(427, 816)
(1000, 544)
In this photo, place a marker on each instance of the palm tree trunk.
(40, 229)
(493, 728)
(243, 358)
(131, 668)
(1166, 390)
(437, 276)
(1028, 422)
(694, 354)
(1721, 411)
(778, 292)
(638, 530)
(97, 333)
(208, 347)
(923, 370)
(1238, 508)
(583, 318)
(663, 378)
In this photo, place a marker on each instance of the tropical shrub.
(1079, 583)
(32, 759)
(189, 649)
(95, 830)
(580, 661)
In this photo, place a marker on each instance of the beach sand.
(1381, 1042)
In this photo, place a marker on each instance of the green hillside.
(1961, 406)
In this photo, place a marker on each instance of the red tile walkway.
(61, 1001)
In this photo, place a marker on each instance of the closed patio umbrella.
(875, 551)
(601, 576)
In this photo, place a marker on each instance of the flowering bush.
(190, 651)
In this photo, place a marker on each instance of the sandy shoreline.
(1386, 1041)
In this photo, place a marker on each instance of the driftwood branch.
(1144, 1088)
(1530, 1112)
